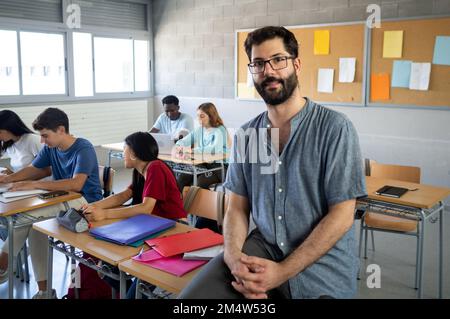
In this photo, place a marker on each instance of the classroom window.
(82, 60)
(141, 66)
(113, 65)
(43, 63)
(9, 65)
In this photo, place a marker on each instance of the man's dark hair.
(170, 99)
(51, 119)
(258, 36)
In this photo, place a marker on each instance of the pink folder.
(175, 265)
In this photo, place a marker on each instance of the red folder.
(185, 242)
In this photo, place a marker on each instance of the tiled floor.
(394, 254)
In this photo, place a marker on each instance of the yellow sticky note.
(322, 42)
(392, 44)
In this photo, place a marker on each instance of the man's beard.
(276, 97)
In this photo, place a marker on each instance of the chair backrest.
(205, 203)
(399, 172)
(106, 175)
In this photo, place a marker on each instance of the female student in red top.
(154, 188)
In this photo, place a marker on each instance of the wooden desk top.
(425, 197)
(31, 203)
(158, 277)
(196, 160)
(106, 251)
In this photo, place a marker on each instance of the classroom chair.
(205, 203)
(106, 175)
(197, 202)
(374, 221)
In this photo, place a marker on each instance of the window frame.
(20, 25)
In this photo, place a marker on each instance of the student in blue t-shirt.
(74, 166)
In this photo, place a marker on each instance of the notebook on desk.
(391, 191)
(184, 242)
(132, 229)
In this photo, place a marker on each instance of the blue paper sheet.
(442, 50)
(401, 73)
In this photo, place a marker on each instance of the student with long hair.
(17, 142)
(210, 138)
(73, 164)
(153, 189)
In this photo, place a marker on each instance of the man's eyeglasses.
(276, 63)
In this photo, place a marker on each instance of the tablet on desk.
(391, 191)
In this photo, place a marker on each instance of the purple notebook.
(132, 229)
(175, 265)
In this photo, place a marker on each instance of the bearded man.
(304, 244)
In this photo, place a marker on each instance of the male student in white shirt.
(172, 121)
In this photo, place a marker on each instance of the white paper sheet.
(13, 199)
(204, 254)
(325, 80)
(30, 192)
(420, 76)
(347, 68)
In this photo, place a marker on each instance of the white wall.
(100, 123)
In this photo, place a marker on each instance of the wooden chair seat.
(381, 221)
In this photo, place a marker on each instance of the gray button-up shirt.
(289, 194)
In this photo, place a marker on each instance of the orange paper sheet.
(379, 87)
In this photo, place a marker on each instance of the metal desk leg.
(73, 267)
(422, 238)
(441, 250)
(138, 294)
(123, 285)
(194, 182)
(109, 158)
(222, 171)
(10, 257)
(50, 267)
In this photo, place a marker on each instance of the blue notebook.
(132, 229)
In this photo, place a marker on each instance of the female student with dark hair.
(17, 142)
(153, 189)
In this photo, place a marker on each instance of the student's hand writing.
(22, 186)
(94, 213)
(182, 152)
(6, 171)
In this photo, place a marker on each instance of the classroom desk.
(110, 253)
(67, 242)
(15, 214)
(158, 277)
(422, 205)
(185, 166)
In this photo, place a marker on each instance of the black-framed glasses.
(276, 63)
